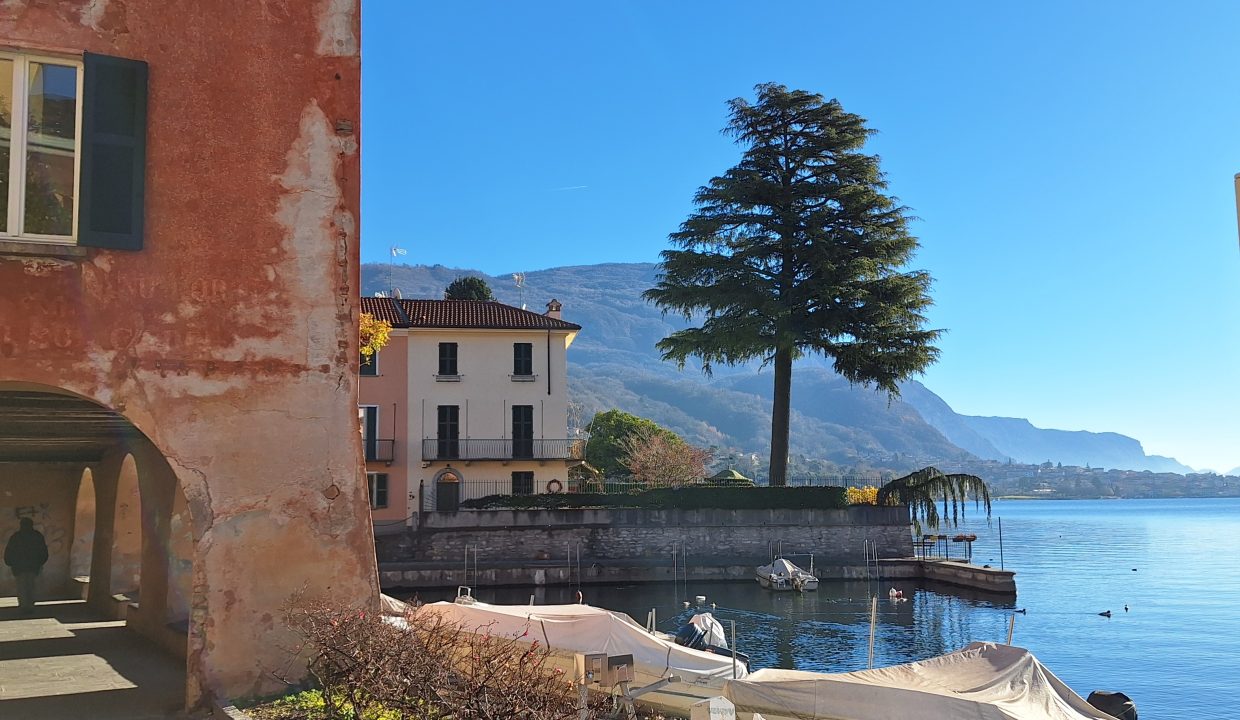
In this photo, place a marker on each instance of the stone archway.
(126, 561)
(83, 531)
(115, 520)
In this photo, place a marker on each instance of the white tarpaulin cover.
(984, 681)
(581, 628)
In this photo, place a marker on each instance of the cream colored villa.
(468, 399)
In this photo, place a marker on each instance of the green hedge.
(687, 498)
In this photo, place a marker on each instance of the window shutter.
(113, 173)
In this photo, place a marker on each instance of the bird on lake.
(1125, 608)
(1105, 613)
(1022, 611)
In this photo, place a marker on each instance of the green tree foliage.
(797, 250)
(468, 288)
(610, 433)
(923, 490)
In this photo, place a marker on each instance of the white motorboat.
(783, 574)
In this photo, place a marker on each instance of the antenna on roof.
(519, 279)
(398, 296)
(392, 263)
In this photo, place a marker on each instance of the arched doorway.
(83, 531)
(448, 490)
(111, 607)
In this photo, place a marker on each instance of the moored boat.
(783, 574)
(569, 630)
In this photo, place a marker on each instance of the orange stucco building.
(178, 308)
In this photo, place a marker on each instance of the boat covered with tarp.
(569, 629)
(783, 574)
(984, 681)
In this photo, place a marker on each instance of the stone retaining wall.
(637, 545)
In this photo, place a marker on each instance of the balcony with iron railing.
(378, 450)
(503, 449)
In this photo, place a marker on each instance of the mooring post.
(1001, 544)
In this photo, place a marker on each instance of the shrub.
(682, 498)
(371, 669)
(867, 495)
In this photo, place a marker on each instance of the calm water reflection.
(1173, 562)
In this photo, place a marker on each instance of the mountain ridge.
(835, 427)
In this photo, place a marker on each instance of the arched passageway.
(112, 607)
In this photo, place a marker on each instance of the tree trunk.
(779, 417)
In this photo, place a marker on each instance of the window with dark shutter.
(448, 432)
(378, 490)
(522, 359)
(113, 172)
(447, 359)
(523, 482)
(370, 432)
(369, 365)
(523, 431)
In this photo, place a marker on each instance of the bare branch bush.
(660, 460)
(422, 667)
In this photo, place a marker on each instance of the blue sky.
(1071, 165)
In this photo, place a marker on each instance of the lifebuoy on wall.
(555, 486)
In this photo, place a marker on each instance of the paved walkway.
(65, 662)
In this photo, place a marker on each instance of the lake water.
(1174, 563)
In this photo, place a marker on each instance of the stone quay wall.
(630, 545)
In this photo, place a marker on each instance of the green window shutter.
(113, 175)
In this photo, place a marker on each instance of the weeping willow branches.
(924, 489)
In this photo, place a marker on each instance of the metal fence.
(502, 449)
(378, 450)
(447, 496)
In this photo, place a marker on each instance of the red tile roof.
(404, 313)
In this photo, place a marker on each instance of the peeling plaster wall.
(230, 340)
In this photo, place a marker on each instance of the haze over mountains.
(614, 363)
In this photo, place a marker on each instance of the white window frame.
(17, 149)
(362, 416)
(371, 479)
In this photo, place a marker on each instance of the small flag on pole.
(398, 251)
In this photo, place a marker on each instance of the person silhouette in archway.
(25, 554)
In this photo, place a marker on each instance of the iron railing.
(378, 450)
(501, 449)
(447, 496)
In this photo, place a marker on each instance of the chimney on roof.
(553, 309)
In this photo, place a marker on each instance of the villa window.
(370, 431)
(523, 482)
(370, 365)
(447, 359)
(72, 150)
(378, 486)
(448, 427)
(523, 359)
(522, 431)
